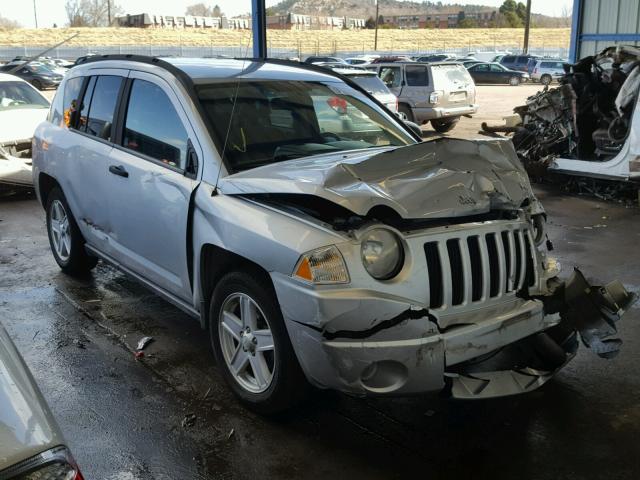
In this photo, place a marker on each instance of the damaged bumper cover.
(503, 349)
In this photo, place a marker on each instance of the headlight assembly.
(382, 253)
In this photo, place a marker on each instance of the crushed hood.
(436, 179)
(20, 124)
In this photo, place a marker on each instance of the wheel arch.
(215, 262)
(46, 183)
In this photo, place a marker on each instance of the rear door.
(455, 84)
(151, 178)
(480, 73)
(83, 152)
(417, 85)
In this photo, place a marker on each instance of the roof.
(7, 77)
(203, 70)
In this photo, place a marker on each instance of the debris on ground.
(79, 344)
(143, 342)
(189, 420)
(230, 434)
(138, 354)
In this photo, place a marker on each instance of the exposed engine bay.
(587, 118)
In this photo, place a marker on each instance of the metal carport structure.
(597, 24)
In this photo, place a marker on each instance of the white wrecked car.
(22, 108)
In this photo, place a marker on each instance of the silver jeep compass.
(311, 233)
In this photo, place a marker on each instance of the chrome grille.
(479, 265)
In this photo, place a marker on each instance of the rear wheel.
(404, 108)
(442, 126)
(251, 344)
(545, 79)
(65, 239)
(514, 81)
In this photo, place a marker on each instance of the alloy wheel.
(60, 230)
(247, 342)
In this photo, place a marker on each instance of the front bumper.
(408, 353)
(429, 113)
(15, 172)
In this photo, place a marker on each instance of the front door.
(151, 185)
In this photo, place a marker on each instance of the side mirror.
(414, 127)
(191, 168)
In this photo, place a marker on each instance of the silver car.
(438, 92)
(547, 70)
(310, 232)
(31, 444)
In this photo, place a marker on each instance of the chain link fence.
(296, 51)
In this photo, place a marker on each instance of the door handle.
(118, 170)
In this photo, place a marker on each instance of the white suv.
(546, 71)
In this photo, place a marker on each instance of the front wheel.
(251, 344)
(514, 81)
(65, 239)
(443, 126)
(545, 79)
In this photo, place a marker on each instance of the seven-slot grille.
(479, 265)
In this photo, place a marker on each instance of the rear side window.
(153, 127)
(69, 113)
(417, 76)
(508, 59)
(96, 117)
(391, 76)
(522, 60)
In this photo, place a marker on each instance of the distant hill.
(367, 8)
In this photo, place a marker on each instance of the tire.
(37, 84)
(443, 126)
(545, 79)
(514, 81)
(404, 108)
(280, 384)
(65, 239)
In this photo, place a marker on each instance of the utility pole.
(527, 24)
(108, 13)
(35, 13)
(375, 40)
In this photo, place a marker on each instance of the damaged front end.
(584, 127)
(15, 165)
(467, 301)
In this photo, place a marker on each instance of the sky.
(52, 11)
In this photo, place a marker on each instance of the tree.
(370, 23)
(6, 23)
(91, 13)
(198, 10)
(468, 23)
(202, 10)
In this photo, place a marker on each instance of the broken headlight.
(322, 266)
(382, 253)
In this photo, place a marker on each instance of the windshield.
(450, 74)
(38, 68)
(15, 95)
(371, 83)
(275, 121)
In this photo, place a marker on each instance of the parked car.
(370, 82)
(391, 58)
(36, 74)
(438, 57)
(492, 73)
(32, 445)
(470, 63)
(358, 61)
(22, 109)
(517, 62)
(437, 92)
(546, 71)
(318, 59)
(489, 56)
(309, 248)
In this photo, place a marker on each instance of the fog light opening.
(384, 376)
